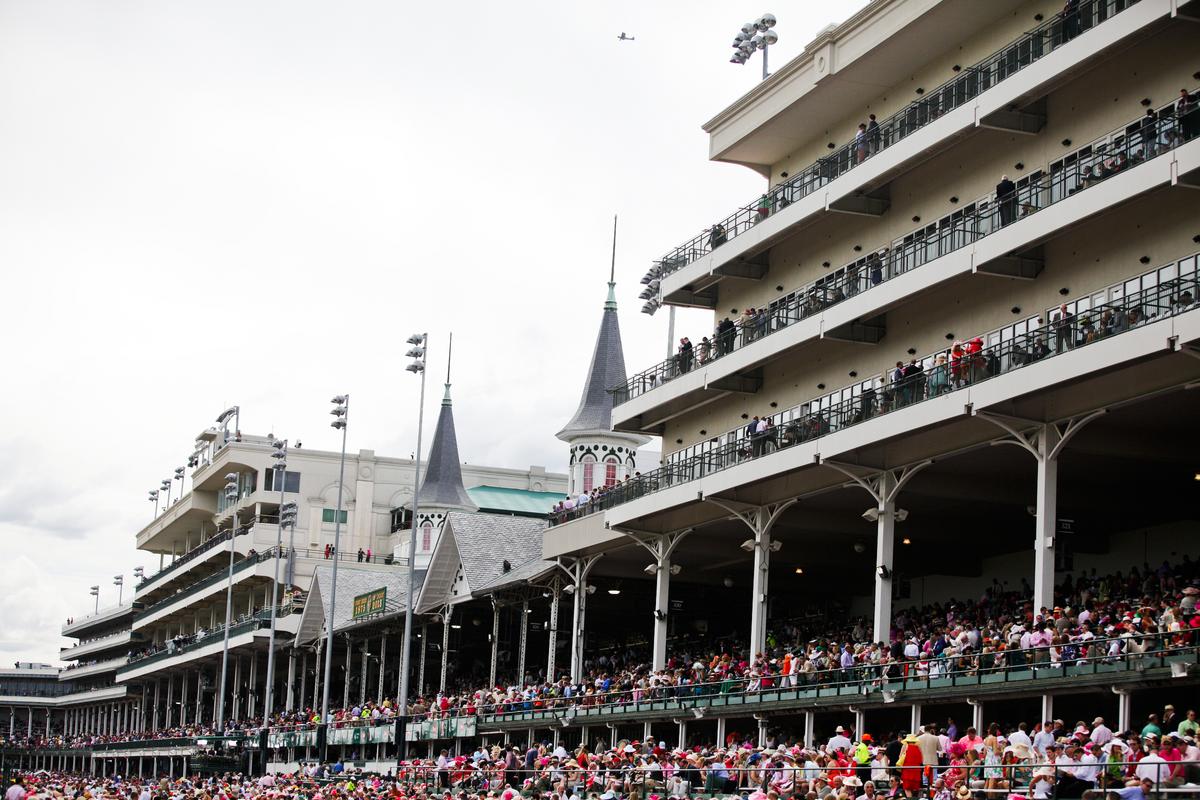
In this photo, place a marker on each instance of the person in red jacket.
(911, 766)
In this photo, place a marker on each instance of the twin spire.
(443, 484)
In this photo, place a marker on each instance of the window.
(291, 481)
(610, 471)
(426, 536)
(589, 468)
(327, 515)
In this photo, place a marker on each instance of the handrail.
(968, 84)
(259, 619)
(204, 583)
(190, 555)
(1043, 187)
(872, 398)
(1032, 664)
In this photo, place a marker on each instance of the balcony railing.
(1066, 176)
(247, 622)
(1164, 292)
(968, 84)
(189, 556)
(215, 578)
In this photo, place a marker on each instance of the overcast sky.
(210, 203)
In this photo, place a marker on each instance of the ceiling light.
(906, 540)
(799, 570)
(614, 590)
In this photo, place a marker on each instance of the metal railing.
(246, 622)
(1032, 664)
(938, 374)
(968, 84)
(190, 555)
(218, 576)
(1067, 175)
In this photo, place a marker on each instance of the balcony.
(112, 615)
(851, 180)
(193, 559)
(847, 303)
(84, 649)
(174, 524)
(213, 584)
(74, 673)
(241, 632)
(1150, 308)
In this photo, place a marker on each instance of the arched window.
(589, 472)
(610, 471)
(426, 536)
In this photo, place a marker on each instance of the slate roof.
(606, 371)
(480, 543)
(443, 483)
(352, 581)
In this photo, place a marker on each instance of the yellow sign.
(370, 603)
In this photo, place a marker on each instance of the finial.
(611, 303)
(449, 354)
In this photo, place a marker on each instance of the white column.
(252, 691)
(758, 600)
(915, 722)
(495, 657)
(810, 727)
(362, 677)
(860, 722)
(551, 673)
(1047, 519)
(382, 664)
(720, 732)
(521, 644)
(977, 715)
(885, 540)
(291, 680)
(346, 682)
(237, 687)
(1124, 709)
(682, 744)
(662, 609)
(761, 719)
(424, 651)
(1048, 708)
(447, 614)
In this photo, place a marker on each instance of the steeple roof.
(443, 483)
(606, 371)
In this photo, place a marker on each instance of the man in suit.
(1006, 196)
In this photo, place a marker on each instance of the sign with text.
(370, 603)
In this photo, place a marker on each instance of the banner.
(447, 728)
(294, 739)
(363, 734)
(370, 603)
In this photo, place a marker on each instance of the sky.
(255, 203)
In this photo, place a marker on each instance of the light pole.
(166, 487)
(119, 582)
(153, 497)
(340, 410)
(139, 573)
(279, 453)
(419, 342)
(757, 35)
(179, 477)
(95, 592)
(231, 496)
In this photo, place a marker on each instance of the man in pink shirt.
(971, 740)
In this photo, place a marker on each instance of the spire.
(443, 484)
(607, 370)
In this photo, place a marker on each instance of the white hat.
(840, 729)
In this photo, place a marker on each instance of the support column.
(1047, 518)
(237, 687)
(1048, 708)
(346, 681)
(303, 685)
(810, 728)
(720, 731)
(976, 715)
(252, 692)
(551, 667)
(759, 588)
(522, 642)
(317, 673)
(885, 541)
(860, 721)
(660, 548)
(170, 707)
(681, 734)
(290, 697)
(424, 653)
(914, 723)
(579, 572)
(362, 677)
(495, 643)
(447, 615)
(196, 714)
(1124, 709)
(382, 664)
